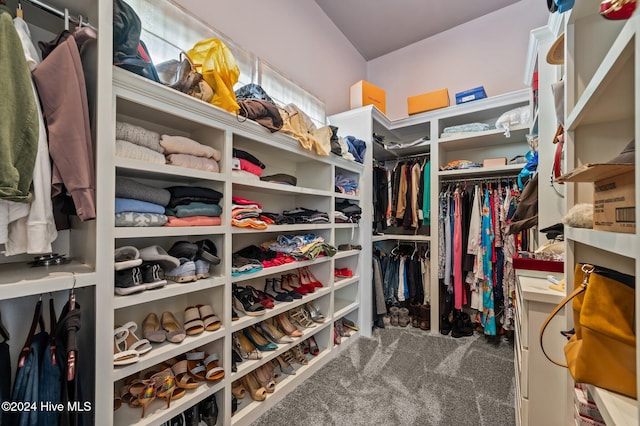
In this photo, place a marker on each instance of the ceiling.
(377, 27)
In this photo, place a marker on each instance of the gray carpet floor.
(404, 376)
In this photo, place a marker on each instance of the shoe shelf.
(616, 409)
(346, 253)
(158, 413)
(274, 188)
(342, 307)
(166, 350)
(613, 242)
(249, 410)
(480, 172)
(170, 290)
(179, 175)
(19, 280)
(340, 195)
(124, 232)
(282, 228)
(279, 269)
(248, 365)
(280, 307)
(343, 282)
(346, 225)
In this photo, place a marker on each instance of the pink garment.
(193, 221)
(245, 203)
(183, 145)
(193, 162)
(459, 292)
(248, 166)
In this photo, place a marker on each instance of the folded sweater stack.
(138, 143)
(184, 152)
(246, 214)
(193, 206)
(250, 166)
(138, 204)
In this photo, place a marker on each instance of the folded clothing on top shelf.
(130, 150)
(138, 136)
(346, 185)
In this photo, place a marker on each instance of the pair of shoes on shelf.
(161, 385)
(301, 317)
(245, 348)
(202, 366)
(202, 253)
(343, 247)
(200, 318)
(167, 327)
(127, 347)
(273, 333)
(262, 297)
(289, 283)
(258, 340)
(245, 301)
(276, 292)
(310, 346)
(147, 276)
(343, 273)
(307, 280)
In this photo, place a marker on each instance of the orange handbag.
(603, 350)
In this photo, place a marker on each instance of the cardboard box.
(584, 406)
(614, 204)
(364, 93)
(471, 95)
(494, 162)
(428, 101)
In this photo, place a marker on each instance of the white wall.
(489, 51)
(293, 36)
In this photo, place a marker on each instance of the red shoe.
(305, 282)
(313, 280)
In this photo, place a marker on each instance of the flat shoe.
(151, 329)
(175, 332)
(192, 322)
(209, 319)
(214, 372)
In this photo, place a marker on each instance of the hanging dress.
(488, 313)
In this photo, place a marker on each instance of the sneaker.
(184, 273)
(152, 275)
(126, 257)
(128, 281)
(202, 268)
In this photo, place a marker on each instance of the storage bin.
(364, 93)
(471, 95)
(428, 101)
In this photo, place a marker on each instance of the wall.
(295, 37)
(488, 51)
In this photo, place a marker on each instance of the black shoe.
(234, 405)
(445, 324)
(177, 420)
(209, 411)
(191, 416)
(461, 326)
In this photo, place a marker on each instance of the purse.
(602, 352)
(617, 9)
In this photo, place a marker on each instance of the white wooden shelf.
(340, 195)
(346, 253)
(275, 188)
(279, 269)
(614, 242)
(346, 225)
(480, 172)
(145, 169)
(401, 237)
(615, 409)
(344, 282)
(484, 139)
(342, 307)
(283, 228)
(19, 280)
(166, 231)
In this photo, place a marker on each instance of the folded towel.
(140, 219)
(138, 135)
(193, 221)
(248, 166)
(129, 188)
(131, 205)
(195, 209)
(138, 152)
(239, 201)
(193, 162)
(182, 145)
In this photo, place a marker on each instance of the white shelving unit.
(602, 100)
(363, 122)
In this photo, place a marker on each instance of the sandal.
(210, 320)
(298, 355)
(301, 316)
(151, 329)
(314, 313)
(263, 298)
(244, 300)
(193, 325)
(175, 332)
(194, 365)
(257, 392)
(313, 346)
(131, 342)
(183, 379)
(280, 296)
(214, 372)
(284, 362)
(122, 356)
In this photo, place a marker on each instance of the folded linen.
(248, 166)
(137, 152)
(239, 201)
(184, 145)
(131, 205)
(195, 209)
(140, 219)
(193, 193)
(193, 162)
(130, 188)
(139, 136)
(193, 221)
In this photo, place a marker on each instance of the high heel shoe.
(298, 355)
(301, 316)
(309, 276)
(264, 374)
(273, 334)
(286, 284)
(257, 392)
(245, 348)
(263, 298)
(238, 390)
(304, 281)
(165, 383)
(286, 326)
(284, 363)
(313, 346)
(280, 296)
(258, 339)
(146, 396)
(314, 313)
(245, 301)
(296, 284)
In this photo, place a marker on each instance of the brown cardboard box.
(614, 206)
(614, 203)
(428, 101)
(364, 93)
(494, 162)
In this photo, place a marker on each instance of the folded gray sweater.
(129, 188)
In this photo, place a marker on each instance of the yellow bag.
(218, 67)
(602, 352)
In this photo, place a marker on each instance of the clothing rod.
(479, 179)
(63, 14)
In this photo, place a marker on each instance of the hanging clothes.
(488, 313)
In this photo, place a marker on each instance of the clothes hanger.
(19, 13)
(3, 331)
(52, 333)
(71, 355)
(37, 319)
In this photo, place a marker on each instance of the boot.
(177, 420)
(191, 416)
(403, 317)
(445, 324)
(461, 325)
(424, 316)
(394, 313)
(414, 312)
(209, 411)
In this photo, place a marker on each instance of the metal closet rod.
(62, 13)
(479, 179)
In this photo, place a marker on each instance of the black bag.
(253, 91)
(129, 52)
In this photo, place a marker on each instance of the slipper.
(213, 371)
(157, 254)
(207, 251)
(183, 379)
(126, 257)
(194, 364)
(183, 249)
(192, 322)
(210, 321)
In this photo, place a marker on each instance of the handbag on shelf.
(603, 350)
(617, 9)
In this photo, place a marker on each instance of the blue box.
(470, 95)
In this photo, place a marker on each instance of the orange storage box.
(364, 93)
(428, 101)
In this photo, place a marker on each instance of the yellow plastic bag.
(218, 67)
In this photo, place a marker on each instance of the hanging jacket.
(19, 125)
